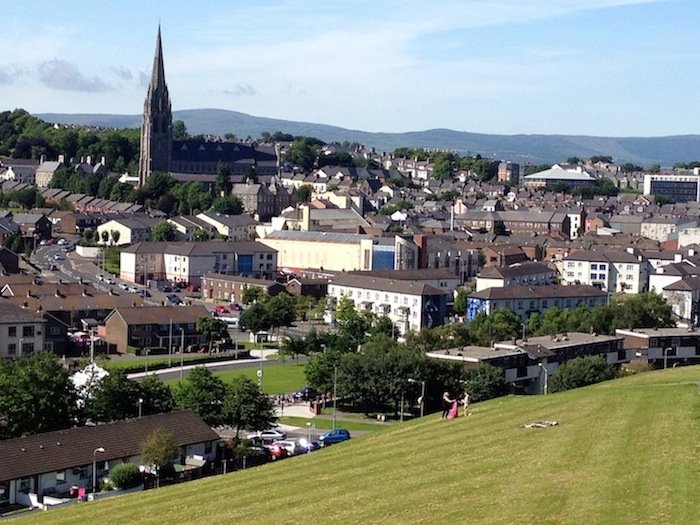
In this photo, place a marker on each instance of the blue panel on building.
(383, 259)
(245, 264)
(474, 306)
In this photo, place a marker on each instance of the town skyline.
(604, 67)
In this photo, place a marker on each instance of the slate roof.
(73, 447)
(384, 284)
(518, 270)
(538, 292)
(141, 315)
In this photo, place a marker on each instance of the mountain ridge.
(522, 148)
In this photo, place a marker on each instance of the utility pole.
(335, 394)
(170, 344)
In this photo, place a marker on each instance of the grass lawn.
(625, 451)
(277, 378)
(327, 424)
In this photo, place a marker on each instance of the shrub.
(126, 476)
(581, 371)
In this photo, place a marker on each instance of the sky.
(584, 67)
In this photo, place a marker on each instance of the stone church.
(197, 160)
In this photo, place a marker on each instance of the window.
(60, 477)
(27, 331)
(12, 331)
(27, 348)
(594, 266)
(12, 349)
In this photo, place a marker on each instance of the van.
(231, 322)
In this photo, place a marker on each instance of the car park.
(334, 436)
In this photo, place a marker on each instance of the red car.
(221, 310)
(277, 452)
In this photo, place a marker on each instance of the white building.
(21, 331)
(610, 270)
(527, 273)
(410, 305)
(680, 188)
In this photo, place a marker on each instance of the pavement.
(240, 363)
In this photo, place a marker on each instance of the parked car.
(144, 293)
(236, 307)
(174, 299)
(59, 257)
(220, 309)
(124, 286)
(305, 393)
(334, 436)
(292, 447)
(53, 268)
(61, 241)
(276, 452)
(309, 446)
(132, 289)
(271, 434)
(109, 281)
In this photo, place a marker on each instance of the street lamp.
(422, 393)
(546, 376)
(94, 467)
(182, 350)
(140, 405)
(308, 428)
(666, 351)
(335, 394)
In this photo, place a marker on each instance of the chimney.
(42, 159)
(306, 218)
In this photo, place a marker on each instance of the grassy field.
(277, 378)
(624, 452)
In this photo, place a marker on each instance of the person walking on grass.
(465, 403)
(446, 404)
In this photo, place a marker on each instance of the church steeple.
(157, 124)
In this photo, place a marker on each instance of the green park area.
(623, 451)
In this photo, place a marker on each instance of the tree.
(222, 183)
(460, 305)
(201, 234)
(655, 168)
(255, 319)
(163, 231)
(179, 130)
(229, 205)
(245, 406)
(212, 328)
(159, 449)
(89, 235)
(294, 347)
(304, 192)
(156, 395)
(253, 294)
(645, 310)
(281, 310)
(203, 393)
(501, 324)
(113, 397)
(36, 395)
(581, 371)
(485, 382)
(116, 234)
(126, 476)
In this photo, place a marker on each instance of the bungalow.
(49, 464)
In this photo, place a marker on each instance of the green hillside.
(625, 451)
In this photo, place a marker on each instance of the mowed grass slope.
(624, 452)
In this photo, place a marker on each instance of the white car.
(271, 434)
(58, 257)
(124, 286)
(109, 281)
(292, 447)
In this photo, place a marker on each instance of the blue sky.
(590, 67)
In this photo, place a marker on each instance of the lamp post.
(308, 428)
(335, 394)
(260, 370)
(546, 376)
(666, 351)
(182, 350)
(140, 405)
(94, 467)
(422, 393)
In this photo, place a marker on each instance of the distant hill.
(519, 148)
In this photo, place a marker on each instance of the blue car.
(334, 436)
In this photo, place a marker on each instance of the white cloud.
(65, 76)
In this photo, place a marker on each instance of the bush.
(126, 476)
(581, 371)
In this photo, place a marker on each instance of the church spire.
(157, 124)
(158, 74)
